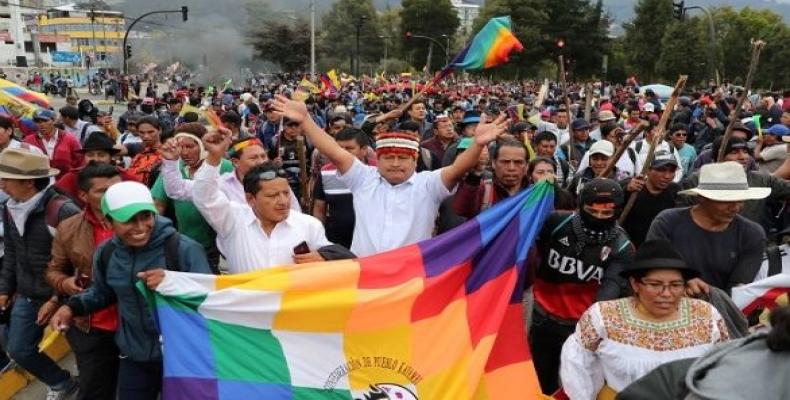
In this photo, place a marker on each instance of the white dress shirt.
(239, 233)
(179, 188)
(387, 216)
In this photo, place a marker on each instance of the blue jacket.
(137, 336)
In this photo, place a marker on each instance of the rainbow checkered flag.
(440, 319)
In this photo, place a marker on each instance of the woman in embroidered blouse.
(618, 341)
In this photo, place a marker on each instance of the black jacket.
(26, 257)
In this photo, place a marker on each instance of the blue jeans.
(23, 338)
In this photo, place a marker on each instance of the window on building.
(28, 47)
(48, 47)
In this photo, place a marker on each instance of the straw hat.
(726, 182)
(23, 164)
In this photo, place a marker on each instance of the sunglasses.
(271, 174)
(680, 134)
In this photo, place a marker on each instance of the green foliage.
(431, 18)
(286, 44)
(540, 24)
(683, 53)
(527, 17)
(643, 36)
(338, 36)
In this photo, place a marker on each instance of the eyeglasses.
(658, 287)
(680, 134)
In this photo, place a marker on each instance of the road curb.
(16, 379)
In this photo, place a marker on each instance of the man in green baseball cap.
(144, 244)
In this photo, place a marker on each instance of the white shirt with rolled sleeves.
(239, 233)
(387, 216)
(179, 188)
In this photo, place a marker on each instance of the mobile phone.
(302, 248)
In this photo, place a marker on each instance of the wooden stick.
(757, 47)
(567, 110)
(301, 154)
(544, 90)
(620, 150)
(588, 97)
(657, 138)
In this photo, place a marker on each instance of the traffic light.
(560, 43)
(184, 11)
(678, 10)
(408, 35)
(128, 51)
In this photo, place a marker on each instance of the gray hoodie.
(741, 369)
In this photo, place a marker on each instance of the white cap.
(125, 199)
(604, 147)
(649, 107)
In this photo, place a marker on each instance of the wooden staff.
(302, 156)
(757, 47)
(657, 138)
(567, 110)
(544, 90)
(620, 150)
(588, 98)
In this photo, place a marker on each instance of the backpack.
(171, 254)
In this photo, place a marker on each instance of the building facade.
(467, 13)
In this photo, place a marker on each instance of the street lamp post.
(711, 42)
(447, 49)
(360, 21)
(184, 12)
(386, 44)
(436, 42)
(312, 40)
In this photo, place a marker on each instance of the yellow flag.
(333, 77)
(309, 86)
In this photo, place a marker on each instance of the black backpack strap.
(171, 252)
(104, 257)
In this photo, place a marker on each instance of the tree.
(682, 53)
(338, 38)
(735, 30)
(643, 36)
(583, 28)
(285, 44)
(431, 18)
(528, 18)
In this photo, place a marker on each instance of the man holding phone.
(264, 232)
(69, 272)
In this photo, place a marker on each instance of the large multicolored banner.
(440, 319)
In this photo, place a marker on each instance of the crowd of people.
(226, 182)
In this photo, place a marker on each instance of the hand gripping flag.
(439, 319)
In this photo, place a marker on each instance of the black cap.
(99, 141)
(663, 158)
(602, 190)
(520, 127)
(658, 254)
(580, 123)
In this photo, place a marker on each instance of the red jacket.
(68, 184)
(66, 157)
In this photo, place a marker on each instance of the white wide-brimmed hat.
(726, 182)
